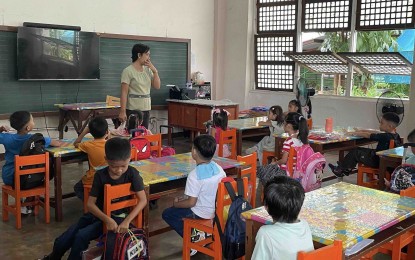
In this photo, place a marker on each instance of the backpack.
(165, 151)
(233, 237)
(309, 167)
(403, 177)
(32, 146)
(131, 245)
(265, 173)
(141, 143)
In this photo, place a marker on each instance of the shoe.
(193, 252)
(25, 210)
(251, 150)
(153, 204)
(197, 235)
(336, 170)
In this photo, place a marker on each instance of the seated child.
(293, 106)
(95, 149)
(22, 122)
(276, 126)
(135, 121)
(90, 225)
(283, 199)
(201, 186)
(220, 123)
(367, 156)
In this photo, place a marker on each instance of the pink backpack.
(309, 167)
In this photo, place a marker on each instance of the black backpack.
(233, 238)
(33, 146)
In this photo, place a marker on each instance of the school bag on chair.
(140, 143)
(32, 146)
(309, 167)
(403, 176)
(233, 237)
(131, 245)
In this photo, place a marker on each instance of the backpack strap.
(230, 190)
(240, 184)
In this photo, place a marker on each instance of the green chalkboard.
(170, 56)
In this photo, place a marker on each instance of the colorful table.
(248, 127)
(324, 142)
(80, 112)
(345, 212)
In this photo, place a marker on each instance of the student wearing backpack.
(89, 226)
(23, 123)
(201, 186)
(95, 149)
(367, 156)
(283, 199)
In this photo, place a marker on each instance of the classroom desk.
(79, 112)
(164, 175)
(391, 158)
(345, 212)
(326, 142)
(248, 127)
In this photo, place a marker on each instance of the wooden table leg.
(58, 188)
(249, 239)
(239, 142)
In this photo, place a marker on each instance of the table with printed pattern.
(83, 112)
(343, 211)
(248, 127)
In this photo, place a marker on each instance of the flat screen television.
(57, 54)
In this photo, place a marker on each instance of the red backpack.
(140, 143)
(131, 245)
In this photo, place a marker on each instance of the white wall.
(191, 19)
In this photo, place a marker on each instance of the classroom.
(208, 57)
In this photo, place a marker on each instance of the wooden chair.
(212, 245)
(87, 187)
(291, 161)
(40, 164)
(265, 155)
(249, 170)
(332, 252)
(369, 173)
(155, 143)
(394, 247)
(112, 101)
(228, 137)
(118, 191)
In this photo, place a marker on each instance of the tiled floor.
(35, 239)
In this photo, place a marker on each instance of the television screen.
(56, 54)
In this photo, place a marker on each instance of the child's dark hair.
(284, 197)
(392, 118)
(117, 149)
(220, 119)
(98, 127)
(19, 119)
(134, 120)
(299, 123)
(277, 110)
(138, 49)
(411, 136)
(297, 104)
(205, 146)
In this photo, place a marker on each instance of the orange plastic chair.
(370, 173)
(310, 123)
(394, 247)
(41, 165)
(265, 155)
(228, 137)
(332, 252)
(292, 159)
(210, 246)
(155, 141)
(249, 170)
(118, 191)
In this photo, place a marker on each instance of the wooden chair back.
(223, 199)
(310, 123)
(291, 161)
(248, 169)
(119, 191)
(155, 143)
(333, 252)
(112, 101)
(133, 154)
(228, 137)
(409, 192)
(38, 164)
